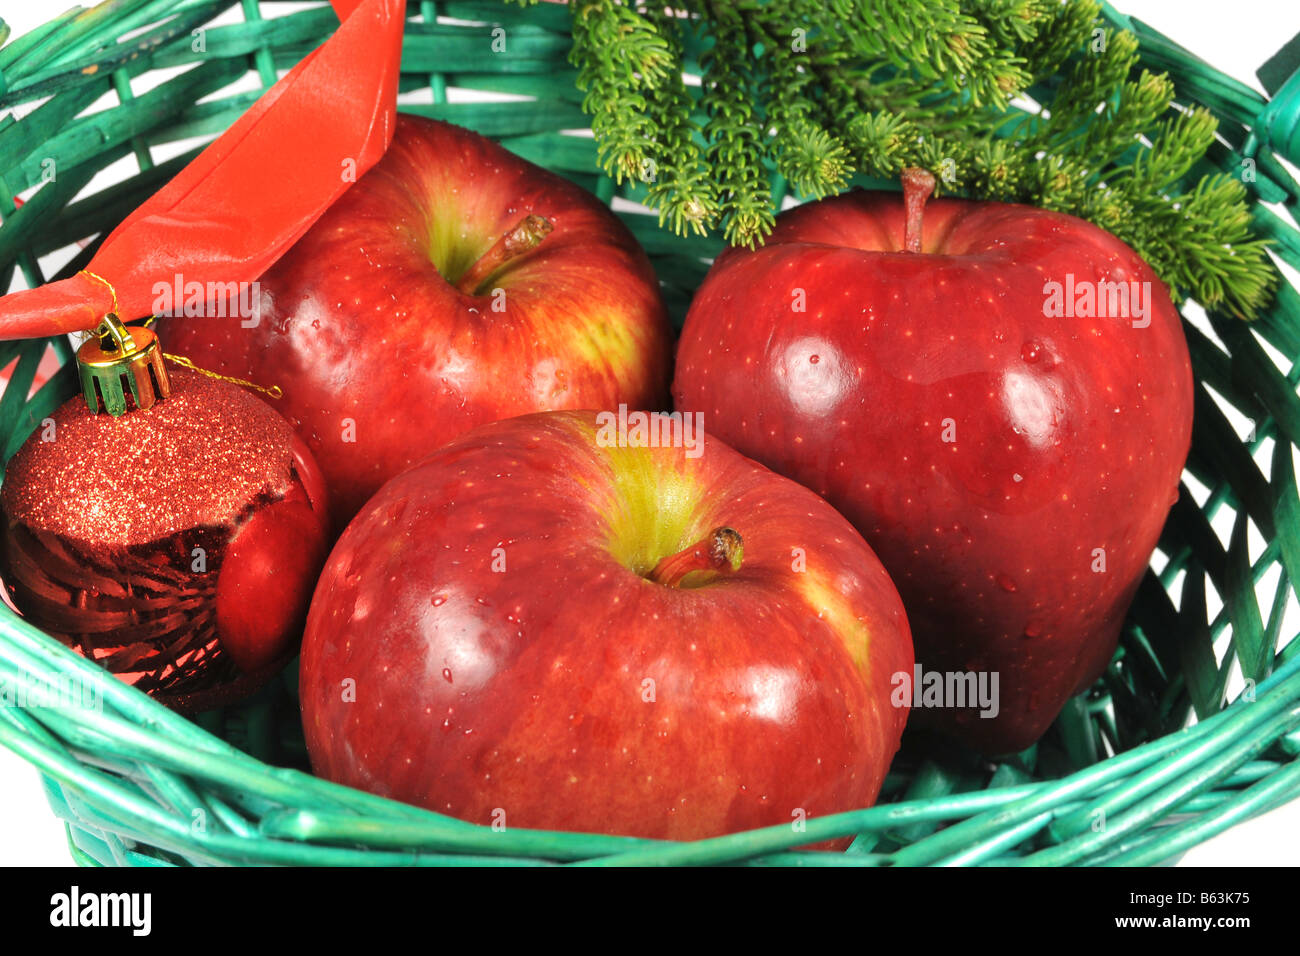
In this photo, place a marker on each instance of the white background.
(1237, 37)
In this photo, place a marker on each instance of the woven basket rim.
(127, 779)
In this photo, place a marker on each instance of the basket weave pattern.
(140, 785)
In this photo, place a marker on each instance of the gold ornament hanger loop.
(107, 284)
(118, 359)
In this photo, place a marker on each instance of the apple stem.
(918, 185)
(527, 234)
(722, 549)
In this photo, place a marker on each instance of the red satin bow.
(229, 214)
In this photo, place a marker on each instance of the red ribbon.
(229, 214)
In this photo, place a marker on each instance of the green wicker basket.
(1153, 752)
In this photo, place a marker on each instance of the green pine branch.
(681, 184)
(734, 129)
(820, 91)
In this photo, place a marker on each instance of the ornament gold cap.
(118, 358)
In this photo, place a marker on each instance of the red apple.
(1011, 465)
(539, 627)
(430, 299)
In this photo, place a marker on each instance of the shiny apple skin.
(525, 690)
(1071, 433)
(359, 325)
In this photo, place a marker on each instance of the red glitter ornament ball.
(177, 545)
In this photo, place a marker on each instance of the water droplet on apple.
(1006, 583)
(1031, 352)
(446, 674)
(814, 359)
(1033, 629)
(439, 600)
(446, 724)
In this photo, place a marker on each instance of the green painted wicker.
(138, 784)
